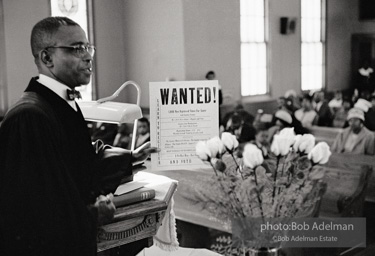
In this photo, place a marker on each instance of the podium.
(134, 226)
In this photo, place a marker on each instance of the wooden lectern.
(133, 226)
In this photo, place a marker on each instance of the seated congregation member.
(336, 103)
(143, 132)
(340, 116)
(370, 115)
(282, 104)
(55, 188)
(284, 119)
(292, 101)
(239, 109)
(306, 115)
(364, 105)
(105, 132)
(122, 138)
(243, 131)
(261, 138)
(355, 139)
(321, 107)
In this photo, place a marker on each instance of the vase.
(262, 252)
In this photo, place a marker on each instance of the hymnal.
(138, 195)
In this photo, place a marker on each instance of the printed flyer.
(181, 114)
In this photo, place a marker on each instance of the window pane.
(259, 29)
(253, 48)
(258, 8)
(253, 69)
(311, 29)
(311, 8)
(245, 7)
(312, 62)
(77, 11)
(312, 45)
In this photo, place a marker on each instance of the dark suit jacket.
(325, 115)
(49, 174)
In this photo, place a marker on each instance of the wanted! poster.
(181, 114)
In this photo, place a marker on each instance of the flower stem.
(237, 165)
(282, 173)
(274, 179)
(234, 207)
(258, 195)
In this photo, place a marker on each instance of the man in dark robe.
(54, 186)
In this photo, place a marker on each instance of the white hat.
(290, 93)
(363, 105)
(356, 113)
(283, 115)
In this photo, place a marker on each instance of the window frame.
(265, 42)
(323, 45)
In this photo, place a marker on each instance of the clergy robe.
(49, 175)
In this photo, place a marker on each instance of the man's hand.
(143, 152)
(106, 208)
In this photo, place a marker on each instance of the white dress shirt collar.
(57, 87)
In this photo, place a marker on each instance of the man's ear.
(46, 58)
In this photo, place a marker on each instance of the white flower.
(320, 153)
(202, 151)
(288, 132)
(252, 156)
(216, 146)
(297, 138)
(275, 145)
(229, 140)
(304, 143)
(281, 142)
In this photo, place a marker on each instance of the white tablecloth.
(166, 236)
(156, 251)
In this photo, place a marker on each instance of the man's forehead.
(70, 35)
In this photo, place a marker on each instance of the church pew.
(327, 134)
(346, 191)
(353, 163)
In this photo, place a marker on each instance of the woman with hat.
(355, 139)
(283, 119)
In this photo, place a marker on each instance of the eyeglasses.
(78, 51)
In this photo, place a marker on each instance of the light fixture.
(107, 111)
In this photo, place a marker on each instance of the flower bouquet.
(286, 184)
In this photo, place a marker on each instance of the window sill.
(257, 98)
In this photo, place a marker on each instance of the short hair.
(236, 118)
(43, 32)
(307, 97)
(347, 99)
(260, 127)
(144, 120)
(210, 73)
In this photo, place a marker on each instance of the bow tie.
(72, 94)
